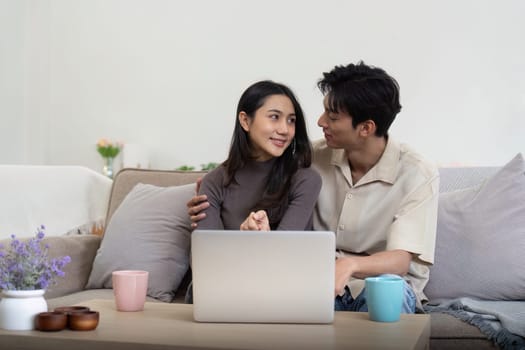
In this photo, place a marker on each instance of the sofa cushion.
(458, 178)
(82, 250)
(149, 231)
(481, 239)
(448, 326)
(83, 296)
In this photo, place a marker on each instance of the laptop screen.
(254, 276)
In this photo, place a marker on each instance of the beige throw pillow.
(481, 239)
(149, 231)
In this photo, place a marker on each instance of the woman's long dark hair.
(297, 155)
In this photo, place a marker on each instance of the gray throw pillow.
(150, 230)
(481, 239)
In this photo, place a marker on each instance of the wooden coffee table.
(171, 326)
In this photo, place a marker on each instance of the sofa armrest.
(82, 251)
(79, 195)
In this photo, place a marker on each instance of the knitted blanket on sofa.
(503, 322)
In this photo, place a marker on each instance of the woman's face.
(272, 128)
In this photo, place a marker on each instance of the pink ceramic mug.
(130, 287)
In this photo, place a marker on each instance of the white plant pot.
(18, 308)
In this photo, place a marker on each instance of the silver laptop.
(267, 277)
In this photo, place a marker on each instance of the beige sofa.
(83, 248)
(447, 331)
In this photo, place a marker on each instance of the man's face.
(337, 127)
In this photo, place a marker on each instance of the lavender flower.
(27, 266)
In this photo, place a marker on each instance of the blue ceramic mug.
(384, 297)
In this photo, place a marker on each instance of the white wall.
(168, 74)
(12, 126)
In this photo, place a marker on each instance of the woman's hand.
(256, 221)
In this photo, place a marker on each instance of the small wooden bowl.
(70, 309)
(83, 321)
(51, 321)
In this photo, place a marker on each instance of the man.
(378, 196)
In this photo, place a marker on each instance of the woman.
(266, 182)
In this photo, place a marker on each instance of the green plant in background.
(204, 167)
(185, 168)
(108, 149)
(209, 166)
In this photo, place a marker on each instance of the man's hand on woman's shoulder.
(196, 205)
